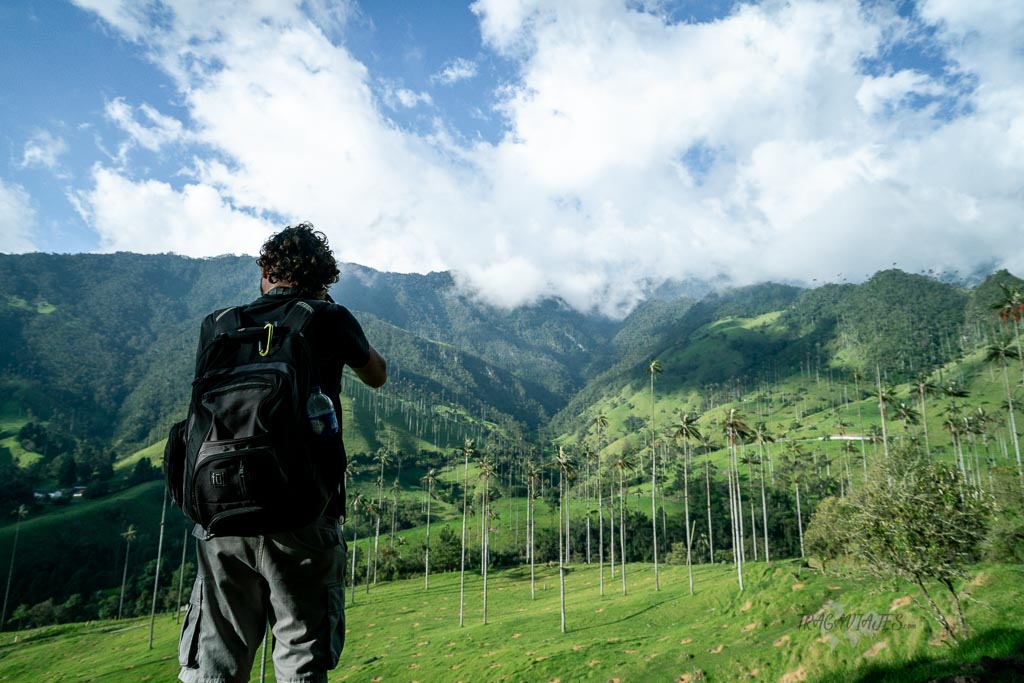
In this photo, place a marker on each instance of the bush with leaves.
(918, 520)
(829, 534)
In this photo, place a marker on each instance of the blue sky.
(587, 149)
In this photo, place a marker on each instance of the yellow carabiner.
(269, 327)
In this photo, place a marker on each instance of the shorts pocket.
(188, 645)
(336, 620)
(317, 537)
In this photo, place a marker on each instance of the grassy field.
(401, 632)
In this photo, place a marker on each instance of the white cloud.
(638, 149)
(43, 150)
(404, 97)
(878, 94)
(159, 130)
(459, 69)
(17, 219)
(151, 217)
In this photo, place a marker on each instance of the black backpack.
(246, 461)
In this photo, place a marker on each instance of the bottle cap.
(316, 390)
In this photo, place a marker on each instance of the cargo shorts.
(293, 581)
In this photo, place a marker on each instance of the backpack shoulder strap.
(228, 320)
(299, 314)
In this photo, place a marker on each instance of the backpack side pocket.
(174, 461)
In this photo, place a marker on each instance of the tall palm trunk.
(10, 571)
(530, 524)
(426, 555)
(124, 579)
(654, 508)
(561, 562)
(484, 550)
(156, 574)
(600, 532)
(622, 531)
(654, 368)
(799, 520)
(686, 513)
(355, 551)
(611, 523)
(764, 516)
(707, 486)
(181, 576)
(462, 572)
(881, 413)
(1013, 420)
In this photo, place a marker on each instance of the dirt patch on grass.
(782, 641)
(797, 586)
(716, 650)
(517, 635)
(747, 605)
(593, 662)
(876, 648)
(577, 648)
(686, 641)
(980, 580)
(794, 676)
(749, 627)
(900, 602)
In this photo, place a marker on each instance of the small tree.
(914, 523)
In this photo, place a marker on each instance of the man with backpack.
(259, 466)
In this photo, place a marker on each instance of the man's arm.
(375, 372)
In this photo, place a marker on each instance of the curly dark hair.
(300, 255)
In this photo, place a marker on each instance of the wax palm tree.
(393, 492)
(906, 414)
(21, 513)
(954, 424)
(923, 386)
(431, 481)
(762, 437)
(532, 479)
(601, 423)
(1001, 351)
(654, 368)
(383, 457)
(156, 574)
(486, 466)
(622, 463)
(735, 429)
(358, 503)
(467, 450)
(708, 446)
(128, 535)
(1010, 306)
(686, 430)
(750, 461)
(566, 468)
(886, 396)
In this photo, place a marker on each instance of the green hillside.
(789, 625)
(805, 374)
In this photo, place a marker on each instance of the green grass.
(154, 453)
(401, 632)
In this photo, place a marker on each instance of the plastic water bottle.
(320, 410)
